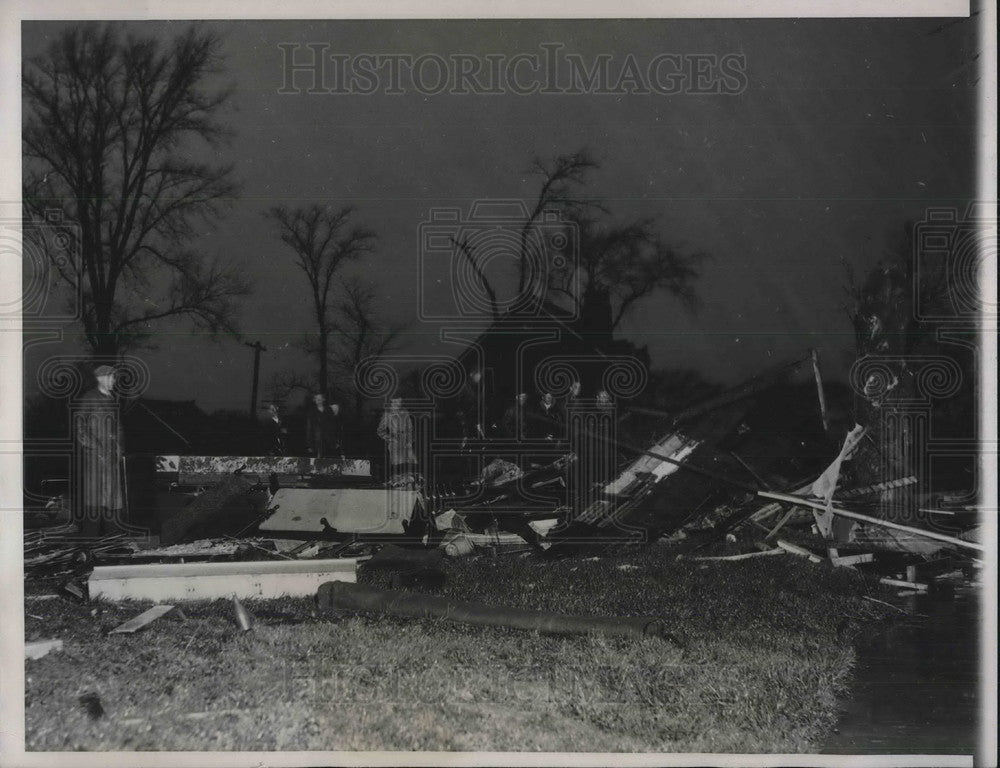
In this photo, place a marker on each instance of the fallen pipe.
(338, 596)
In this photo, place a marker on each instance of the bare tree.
(281, 385)
(107, 143)
(618, 266)
(359, 334)
(475, 262)
(562, 179)
(322, 242)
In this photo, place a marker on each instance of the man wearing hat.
(98, 433)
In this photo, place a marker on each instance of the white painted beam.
(210, 581)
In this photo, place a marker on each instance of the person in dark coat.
(99, 439)
(513, 425)
(335, 430)
(547, 419)
(275, 432)
(318, 428)
(472, 414)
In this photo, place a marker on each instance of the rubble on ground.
(708, 485)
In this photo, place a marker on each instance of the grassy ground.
(765, 650)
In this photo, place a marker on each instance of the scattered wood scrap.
(904, 584)
(800, 551)
(851, 560)
(958, 542)
(36, 649)
(745, 555)
(146, 618)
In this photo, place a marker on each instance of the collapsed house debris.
(719, 475)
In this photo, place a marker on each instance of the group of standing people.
(323, 429)
(545, 419)
(475, 420)
(99, 436)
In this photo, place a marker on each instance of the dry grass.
(766, 651)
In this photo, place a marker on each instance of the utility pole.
(257, 348)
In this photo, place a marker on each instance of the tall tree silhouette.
(322, 241)
(615, 265)
(112, 126)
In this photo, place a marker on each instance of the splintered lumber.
(869, 490)
(819, 390)
(764, 512)
(341, 596)
(852, 559)
(905, 584)
(39, 648)
(209, 581)
(781, 524)
(872, 520)
(142, 620)
(797, 550)
(744, 556)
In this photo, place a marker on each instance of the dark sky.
(846, 129)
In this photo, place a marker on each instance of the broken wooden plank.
(210, 581)
(764, 512)
(950, 575)
(781, 523)
(36, 649)
(309, 551)
(850, 560)
(877, 487)
(900, 583)
(819, 390)
(144, 619)
(872, 520)
(744, 556)
(797, 550)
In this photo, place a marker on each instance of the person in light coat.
(396, 429)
